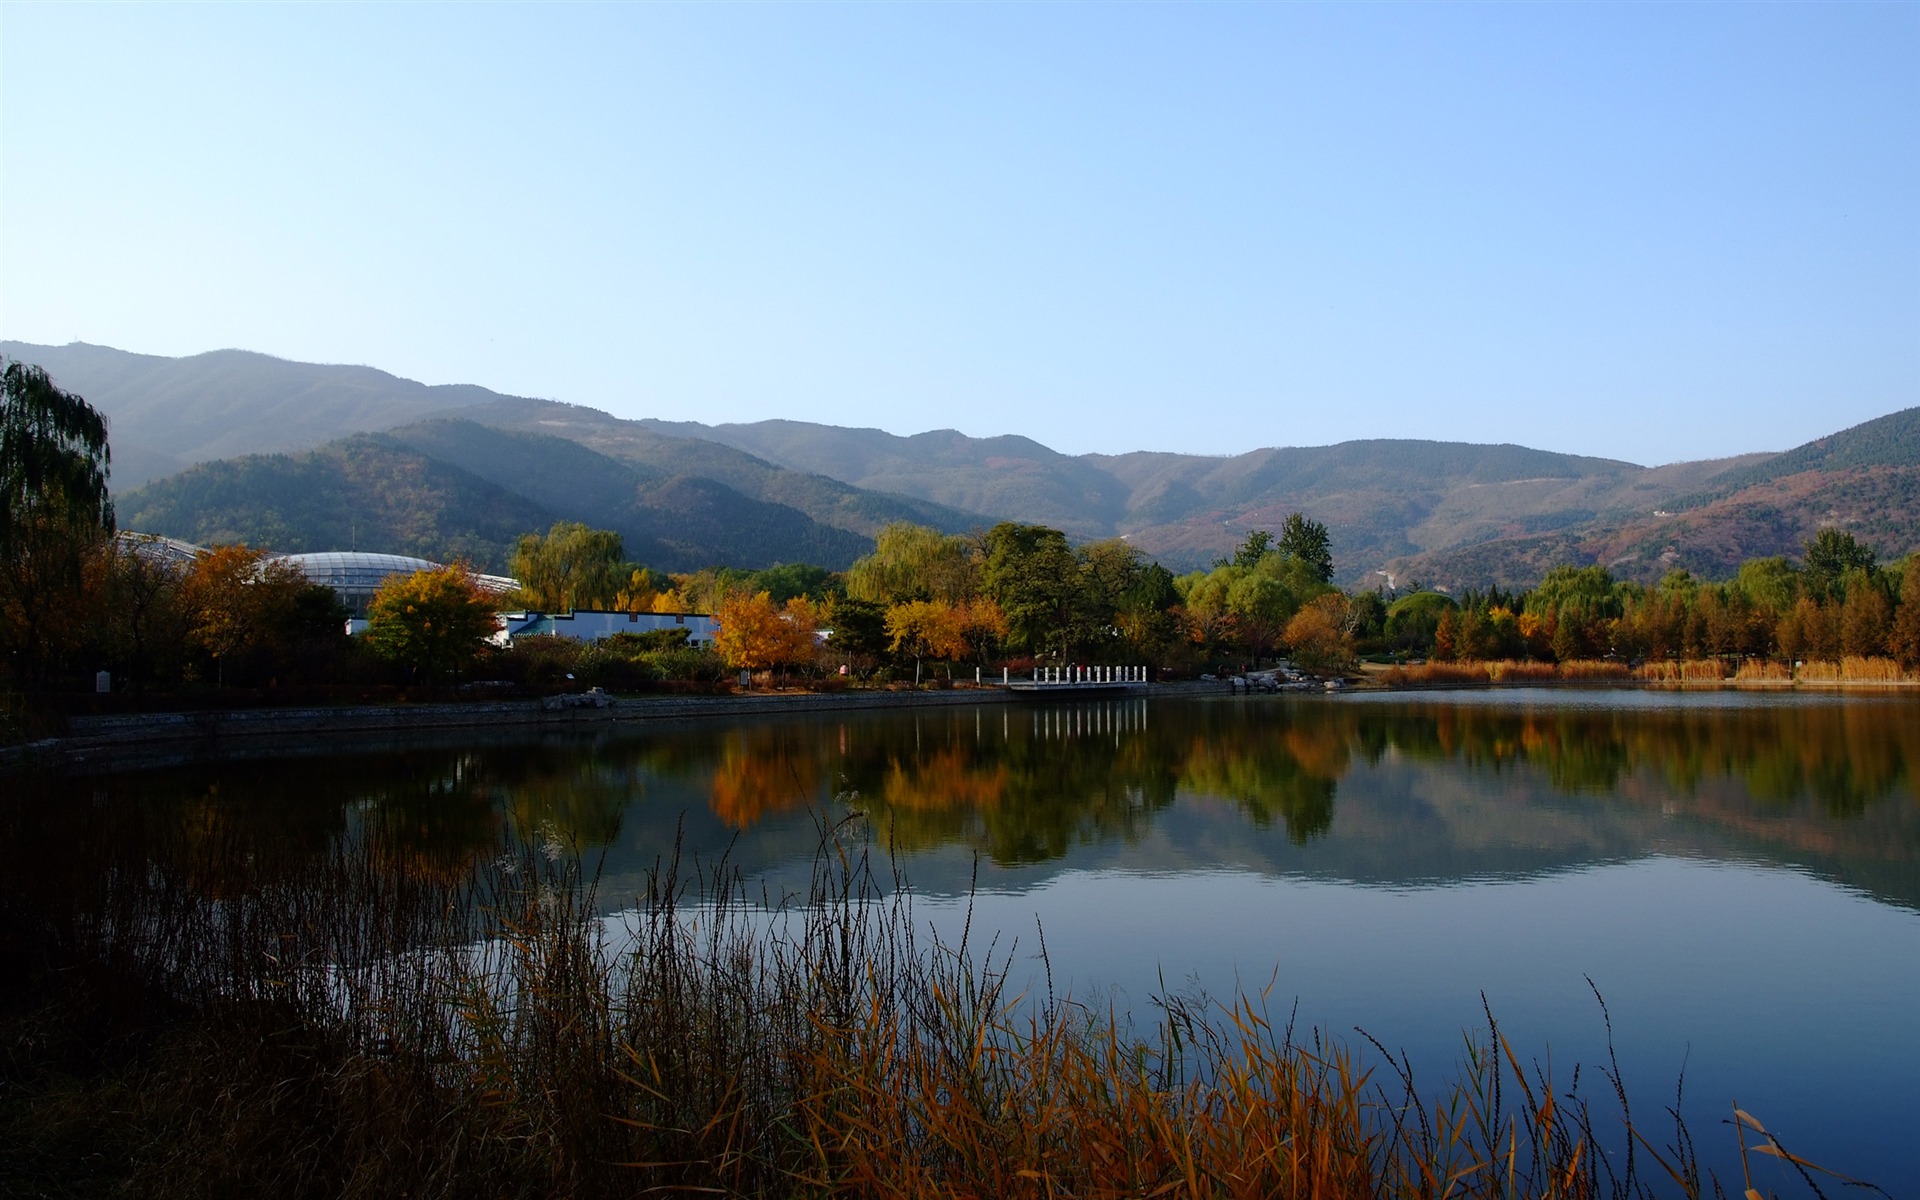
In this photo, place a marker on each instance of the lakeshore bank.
(135, 740)
(139, 740)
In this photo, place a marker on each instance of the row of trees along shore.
(923, 605)
(1023, 594)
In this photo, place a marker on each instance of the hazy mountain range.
(233, 445)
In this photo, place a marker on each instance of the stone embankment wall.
(159, 738)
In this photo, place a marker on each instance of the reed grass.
(1504, 671)
(1758, 670)
(1593, 670)
(1853, 668)
(1438, 674)
(1510, 671)
(1690, 671)
(350, 1027)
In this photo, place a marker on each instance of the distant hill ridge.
(685, 493)
(1889, 441)
(169, 413)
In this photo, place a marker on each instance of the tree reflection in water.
(1026, 786)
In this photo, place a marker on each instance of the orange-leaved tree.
(238, 601)
(1904, 640)
(1319, 634)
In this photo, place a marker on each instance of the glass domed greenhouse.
(355, 575)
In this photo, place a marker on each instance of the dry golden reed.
(1509, 671)
(1504, 671)
(1856, 669)
(1693, 670)
(348, 1030)
(1438, 674)
(1593, 669)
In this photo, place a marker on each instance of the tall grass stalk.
(362, 1025)
(1853, 669)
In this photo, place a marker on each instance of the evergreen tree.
(1308, 541)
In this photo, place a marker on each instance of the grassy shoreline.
(1867, 674)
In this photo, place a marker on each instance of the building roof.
(346, 571)
(364, 570)
(151, 546)
(354, 570)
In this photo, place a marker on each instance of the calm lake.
(1737, 874)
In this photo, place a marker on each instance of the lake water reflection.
(1739, 875)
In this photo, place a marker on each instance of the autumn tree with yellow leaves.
(755, 634)
(432, 621)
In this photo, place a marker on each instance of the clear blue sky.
(1644, 231)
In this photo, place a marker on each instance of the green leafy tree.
(55, 515)
(784, 581)
(1144, 616)
(1413, 620)
(1262, 604)
(1119, 589)
(859, 629)
(571, 566)
(54, 456)
(1369, 618)
(1591, 586)
(1773, 584)
(433, 622)
(914, 562)
(1830, 555)
(1259, 542)
(1032, 574)
(1308, 541)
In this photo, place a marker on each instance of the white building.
(593, 626)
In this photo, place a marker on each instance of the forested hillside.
(367, 491)
(453, 489)
(684, 493)
(1864, 480)
(1382, 499)
(645, 445)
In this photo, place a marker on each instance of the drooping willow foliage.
(54, 457)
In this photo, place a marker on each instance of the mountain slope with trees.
(1447, 513)
(1381, 498)
(452, 489)
(1864, 480)
(648, 445)
(367, 491)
